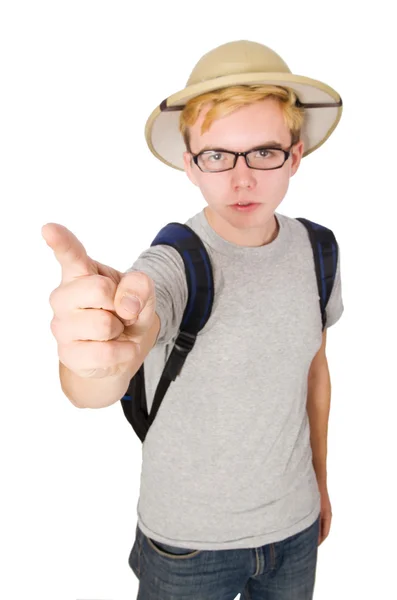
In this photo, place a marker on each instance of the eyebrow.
(270, 144)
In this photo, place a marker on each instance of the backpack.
(199, 305)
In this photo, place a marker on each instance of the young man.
(233, 494)
(233, 490)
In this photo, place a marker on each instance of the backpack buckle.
(185, 342)
(183, 345)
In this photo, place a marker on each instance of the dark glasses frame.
(287, 154)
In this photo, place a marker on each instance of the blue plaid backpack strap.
(200, 285)
(325, 254)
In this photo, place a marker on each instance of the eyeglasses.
(264, 159)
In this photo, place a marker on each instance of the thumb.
(69, 251)
(135, 301)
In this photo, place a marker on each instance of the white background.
(78, 81)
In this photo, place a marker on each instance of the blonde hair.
(227, 100)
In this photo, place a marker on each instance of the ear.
(187, 163)
(296, 156)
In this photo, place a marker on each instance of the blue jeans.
(279, 571)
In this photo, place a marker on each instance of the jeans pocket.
(173, 552)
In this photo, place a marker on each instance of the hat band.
(165, 108)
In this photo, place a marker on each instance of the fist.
(100, 314)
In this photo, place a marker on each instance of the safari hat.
(242, 63)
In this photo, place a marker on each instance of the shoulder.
(300, 230)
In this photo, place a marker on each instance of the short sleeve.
(166, 268)
(335, 308)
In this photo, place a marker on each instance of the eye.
(263, 152)
(217, 156)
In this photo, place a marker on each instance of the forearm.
(318, 408)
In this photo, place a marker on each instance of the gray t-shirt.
(227, 462)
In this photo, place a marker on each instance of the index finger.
(69, 251)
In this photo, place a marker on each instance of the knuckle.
(106, 324)
(53, 299)
(104, 286)
(60, 331)
(54, 325)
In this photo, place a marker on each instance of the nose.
(242, 175)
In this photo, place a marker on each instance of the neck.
(253, 237)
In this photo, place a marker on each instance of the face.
(246, 128)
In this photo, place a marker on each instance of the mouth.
(245, 207)
(243, 203)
